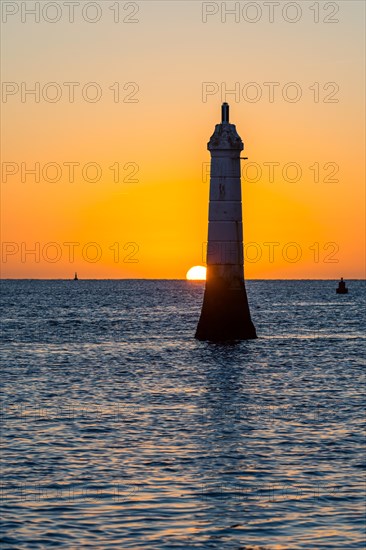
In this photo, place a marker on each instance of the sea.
(120, 430)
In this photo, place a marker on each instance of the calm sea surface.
(120, 430)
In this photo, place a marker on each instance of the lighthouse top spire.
(225, 112)
(225, 136)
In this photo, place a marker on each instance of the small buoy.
(342, 289)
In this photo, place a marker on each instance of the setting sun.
(196, 273)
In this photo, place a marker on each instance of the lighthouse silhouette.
(225, 311)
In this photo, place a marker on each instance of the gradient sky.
(170, 53)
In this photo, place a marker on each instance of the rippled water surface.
(120, 430)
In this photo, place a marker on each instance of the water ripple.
(122, 431)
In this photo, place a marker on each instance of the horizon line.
(167, 279)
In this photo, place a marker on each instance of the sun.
(196, 273)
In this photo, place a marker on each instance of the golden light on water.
(196, 273)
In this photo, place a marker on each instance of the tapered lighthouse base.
(225, 313)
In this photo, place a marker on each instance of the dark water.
(122, 431)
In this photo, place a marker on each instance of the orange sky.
(157, 211)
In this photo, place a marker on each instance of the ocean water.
(120, 430)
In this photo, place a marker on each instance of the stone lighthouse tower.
(225, 311)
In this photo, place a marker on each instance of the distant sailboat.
(76, 277)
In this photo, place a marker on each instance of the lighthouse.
(225, 311)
